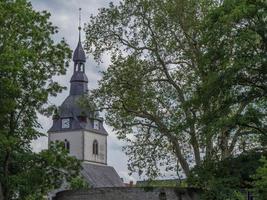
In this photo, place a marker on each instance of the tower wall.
(89, 138)
(75, 139)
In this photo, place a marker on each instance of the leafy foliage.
(29, 59)
(146, 88)
(187, 79)
(33, 175)
(78, 183)
(233, 91)
(260, 180)
(225, 179)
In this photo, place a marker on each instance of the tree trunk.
(1, 193)
(4, 186)
(180, 157)
(5, 190)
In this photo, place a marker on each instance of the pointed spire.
(79, 79)
(79, 54)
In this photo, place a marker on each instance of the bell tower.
(81, 130)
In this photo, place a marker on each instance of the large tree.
(234, 86)
(159, 89)
(29, 58)
(229, 178)
(260, 180)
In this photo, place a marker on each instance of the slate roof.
(101, 176)
(79, 77)
(79, 54)
(71, 107)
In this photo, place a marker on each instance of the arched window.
(81, 68)
(95, 147)
(67, 145)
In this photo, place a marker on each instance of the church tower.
(81, 131)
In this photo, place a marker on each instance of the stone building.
(132, 193)
(82, 131)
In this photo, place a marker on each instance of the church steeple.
(79, 55)
(81, 130)
(79, 79)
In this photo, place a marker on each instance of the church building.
(82, 131)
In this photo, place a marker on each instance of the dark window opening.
(67, 145)
(82, 118)
(95, 147)
(162, 195)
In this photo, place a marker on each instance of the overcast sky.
(64, 14)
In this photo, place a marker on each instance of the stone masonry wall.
(129, 194)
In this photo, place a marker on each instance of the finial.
(79, 28)
(79, 54)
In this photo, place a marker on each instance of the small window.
(65, 123)
(96, 125)
(82, 67)
(67, 145)
(82, 118)
(95, 147)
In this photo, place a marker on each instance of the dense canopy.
(187, 80)
(29, 59)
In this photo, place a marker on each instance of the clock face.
(65, 123)
(96, 124)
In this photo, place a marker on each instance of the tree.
(228, 178)
(233, 91)
(260, 180)
(29, 58)
(233, 94)
(158, 89)
(145, 89)
(34, 175)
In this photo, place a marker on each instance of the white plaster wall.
(89, 138)
(76, 141)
